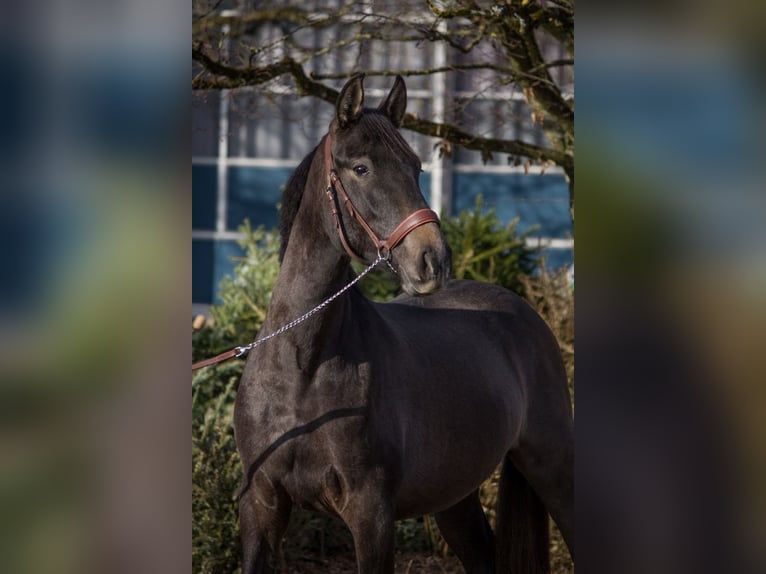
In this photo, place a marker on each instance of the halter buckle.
(384, 253)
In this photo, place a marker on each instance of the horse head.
(379, 208)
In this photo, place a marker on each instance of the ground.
(405, 564)
(411, 563)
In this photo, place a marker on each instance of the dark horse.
(379, 412)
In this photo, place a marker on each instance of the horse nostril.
(429, 265)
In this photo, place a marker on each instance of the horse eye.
(360, 169)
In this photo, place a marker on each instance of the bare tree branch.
(503, 39)
(418, 72)
(455, 135)
(229, 78)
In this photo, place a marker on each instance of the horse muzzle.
(424, 262)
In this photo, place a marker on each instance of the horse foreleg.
(465, 528)
(262, 524)
(371, 521)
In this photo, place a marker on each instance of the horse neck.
(311, 271)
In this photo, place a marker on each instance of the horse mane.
(291, 200)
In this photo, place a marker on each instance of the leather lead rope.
(235, 352)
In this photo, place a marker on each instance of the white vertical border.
(441, 179)
(222, 163)
(222, 197)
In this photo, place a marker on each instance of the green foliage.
(216, 469)
(416, 535)
(317, 533)
(216, 474)
(485, 250)
(246, 294)
(380, 284)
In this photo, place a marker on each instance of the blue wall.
(203, 197)
(253, 193)
(540, 201)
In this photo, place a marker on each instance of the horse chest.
(315, 433)
(328, 463)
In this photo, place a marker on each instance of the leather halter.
(383, 246)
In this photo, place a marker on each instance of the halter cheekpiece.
(383, 246)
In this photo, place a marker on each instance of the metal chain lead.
(244, 349)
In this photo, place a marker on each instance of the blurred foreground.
(671, 290)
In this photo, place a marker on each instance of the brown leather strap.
(332, 198)
(412, 221)
(217, 359)
(420, 217)
(338, 185)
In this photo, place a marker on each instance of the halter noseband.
(383, 246)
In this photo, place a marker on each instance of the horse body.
(376, 412)
(441, 390)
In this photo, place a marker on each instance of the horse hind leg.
(467, 532)
(521, 533)
(548, 466)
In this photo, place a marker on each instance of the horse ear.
(396, 102)
(349, 107)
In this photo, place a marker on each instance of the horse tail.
(521, 532)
